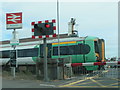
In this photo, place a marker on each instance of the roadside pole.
(45, 60)
(15, 63)
(58, 39)
(14, 46)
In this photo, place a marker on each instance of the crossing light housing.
(43, 29)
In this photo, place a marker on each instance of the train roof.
(63, 37)
(29, 42)
(23, 40)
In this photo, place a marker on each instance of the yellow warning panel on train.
(64, 43)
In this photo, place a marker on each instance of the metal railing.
(105, 70)
(56, 69)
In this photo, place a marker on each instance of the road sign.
(14, 42)
(15, 38)
(44, 29)
(14, 20)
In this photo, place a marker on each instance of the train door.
(97, 52)
(101, 50)
(80, 57)
(49, 50)
(90, 57)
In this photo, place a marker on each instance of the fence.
(105, 70)
(55, 66)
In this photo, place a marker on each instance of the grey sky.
(93, 18)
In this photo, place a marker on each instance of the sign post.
(44, 29)
(14, 21)
(45, 60)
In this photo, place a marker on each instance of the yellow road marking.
(92, 79)
(93, 86)
(89, 82)
(97, 83)
(105, 71)
(67, 85)
(85, 83)
(100, 85)
(116, 79)
(113, 84)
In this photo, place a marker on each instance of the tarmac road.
(26, 84)
(94, 83)
(73, 83)
(108, 80)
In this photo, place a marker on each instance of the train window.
(55, 51)
(96, 47)
(72, 49)
(41, 50)
(49, 50)
(5, 54)
(83, 49)
(77, 50)
(63, 50)
(28, 52)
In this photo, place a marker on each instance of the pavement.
(13, 83)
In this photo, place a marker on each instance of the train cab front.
(100, 50)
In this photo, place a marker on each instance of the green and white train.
(81, 50)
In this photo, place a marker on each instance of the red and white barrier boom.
(92, 64)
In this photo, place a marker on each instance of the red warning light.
(47, 25)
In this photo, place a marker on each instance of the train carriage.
(81, 50)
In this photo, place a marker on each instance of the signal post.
(45, 60)
(44, 29)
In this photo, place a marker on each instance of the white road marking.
(47, 85)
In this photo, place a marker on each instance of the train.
(81, 50)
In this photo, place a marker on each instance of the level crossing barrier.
(107, 70)
(92, 64)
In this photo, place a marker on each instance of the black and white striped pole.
(13, 53)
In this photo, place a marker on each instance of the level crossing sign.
(14, 20)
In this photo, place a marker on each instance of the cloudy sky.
(93, 17)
